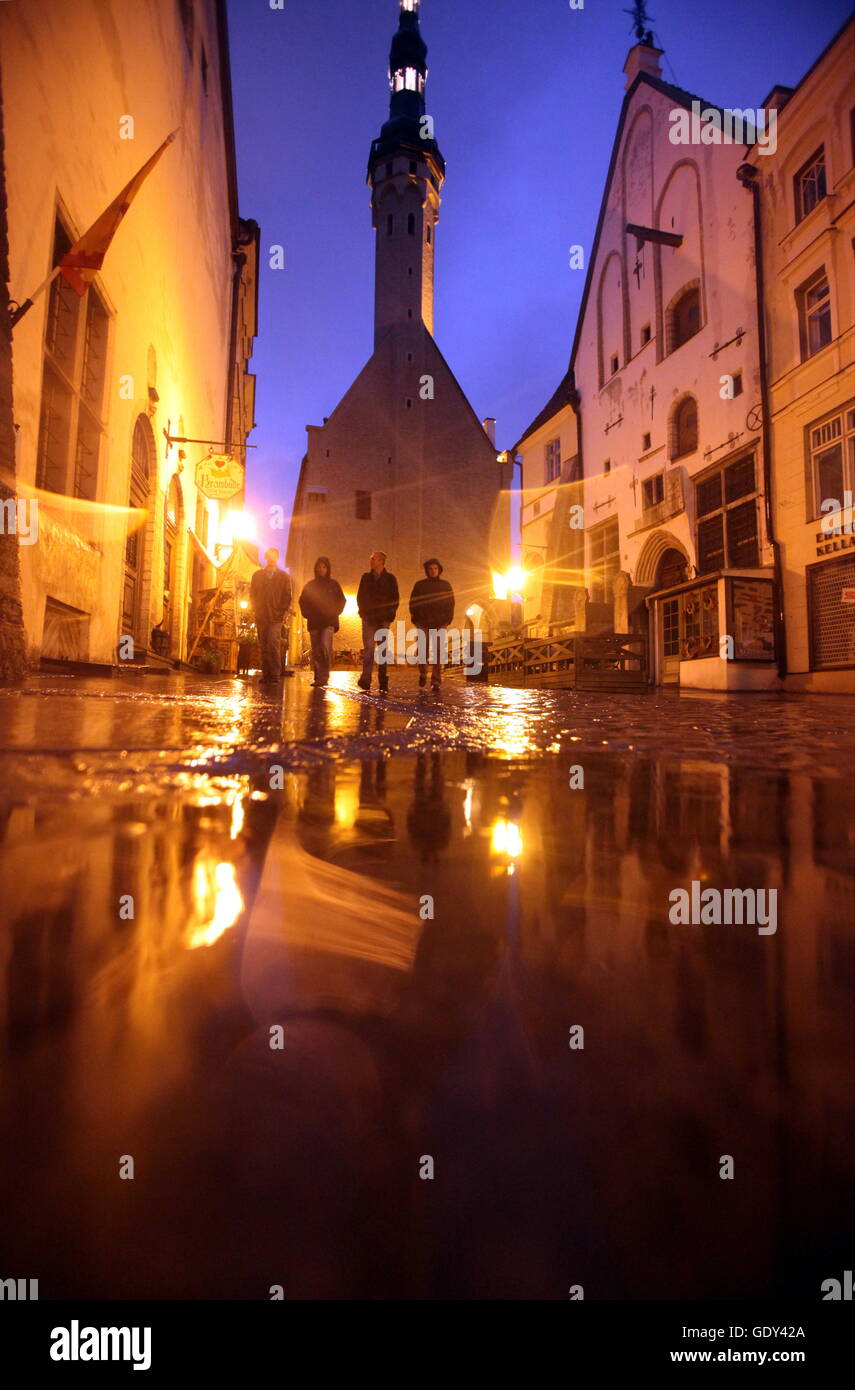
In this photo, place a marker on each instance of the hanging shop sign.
(219, 476)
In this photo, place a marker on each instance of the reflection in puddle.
(217, 902)
(397, 950)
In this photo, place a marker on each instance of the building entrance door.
(669, 642)
(671, 570)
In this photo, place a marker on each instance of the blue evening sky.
(525, 95)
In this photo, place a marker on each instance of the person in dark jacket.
(431, 611)
(321, 602)
(377, 599)
(270, 596)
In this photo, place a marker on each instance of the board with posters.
(752, 619)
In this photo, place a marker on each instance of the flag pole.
(92, 246)
(17, 312)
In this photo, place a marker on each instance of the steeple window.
(411, 224)
(408, 80)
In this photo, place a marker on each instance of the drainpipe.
(747, 175)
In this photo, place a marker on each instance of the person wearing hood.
(377, 601)
(321, 603)
(431, 611)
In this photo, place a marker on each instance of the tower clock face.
(754, 418)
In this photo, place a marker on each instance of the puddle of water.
(288, 1003)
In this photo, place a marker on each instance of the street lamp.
(505, 585)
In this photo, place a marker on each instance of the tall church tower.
(403, 464)
(406, 172)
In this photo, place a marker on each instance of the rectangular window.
(726, 506)
(809, 184)
(614, 363)
(645, 443)
(54, 432)
(605, 561)
(831, 462)
(363, 506)
(315, 498)
(814, 303)
(73, 379)
(645, 334)
(653, 491)
(553, 460)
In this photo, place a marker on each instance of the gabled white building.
(666, 433)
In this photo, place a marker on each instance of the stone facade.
(403, 463)
(12, 662)
(154, 344)
(807, 206)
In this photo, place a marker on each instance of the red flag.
(80, 265)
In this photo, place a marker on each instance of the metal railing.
(608, 661)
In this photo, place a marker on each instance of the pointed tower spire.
(406, 173)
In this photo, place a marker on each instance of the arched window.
(141, 450)
(684, 427)
(684, 317)
(411, 223)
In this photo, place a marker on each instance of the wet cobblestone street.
(281, 954)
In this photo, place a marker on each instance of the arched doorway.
(138, 543)
(671, 570)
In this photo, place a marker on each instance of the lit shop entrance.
(715, 632)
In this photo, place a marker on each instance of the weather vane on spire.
(641, 19)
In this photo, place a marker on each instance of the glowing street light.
(511, 583)
(236, 526)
